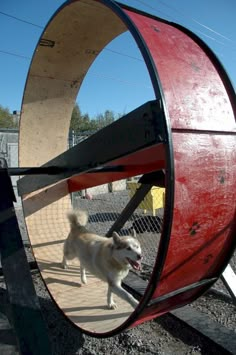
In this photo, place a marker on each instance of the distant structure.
(16, 117)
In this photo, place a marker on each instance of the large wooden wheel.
(186, 135)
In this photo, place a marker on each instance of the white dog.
(109, 259)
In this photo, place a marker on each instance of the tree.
(76, 118)
(82, 123)
(103, 120)
(6, 119)
(79, 122)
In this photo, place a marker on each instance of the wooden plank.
(26, 315)
(141, 162)
(219, 334)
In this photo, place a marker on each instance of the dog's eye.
(128, 248)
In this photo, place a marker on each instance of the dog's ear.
(133, 233)
(116, 238)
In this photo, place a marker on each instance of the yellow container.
(153, 200)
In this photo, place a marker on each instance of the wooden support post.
(26, 316)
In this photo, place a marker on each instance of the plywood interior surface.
(71, 43)
(77, 34)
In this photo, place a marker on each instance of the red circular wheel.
(183, 141)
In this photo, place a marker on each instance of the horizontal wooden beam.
(138, 129)
(144, 161)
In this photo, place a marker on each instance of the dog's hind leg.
(110, 303)
(68, 253)
(119, 291)
(64, 262)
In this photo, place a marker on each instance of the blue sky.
(118, 80)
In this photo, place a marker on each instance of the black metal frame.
(56, 170)
(147, 181)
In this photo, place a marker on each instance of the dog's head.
(127, 250)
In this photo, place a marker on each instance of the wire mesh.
(105, 204)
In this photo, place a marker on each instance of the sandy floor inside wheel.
(85, 305)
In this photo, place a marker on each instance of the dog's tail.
(78, 218)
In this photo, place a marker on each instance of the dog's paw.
(112, 305)
(64, 266)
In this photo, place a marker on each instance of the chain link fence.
(106, 202)
(9, 151)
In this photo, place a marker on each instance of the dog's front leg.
(64, 262)
(83, 274)
(119, 291)
(110, 303)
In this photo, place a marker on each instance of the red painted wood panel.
(143, 161)
(204, 208)
(204, 141)
(195, 95)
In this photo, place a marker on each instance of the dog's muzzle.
(136, 264)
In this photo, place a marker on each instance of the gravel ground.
(164, 335)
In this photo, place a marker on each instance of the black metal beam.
(156, 178)
(138, 129)
(147, 181)
(26, 316)
(136, 199)
(56, 170)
